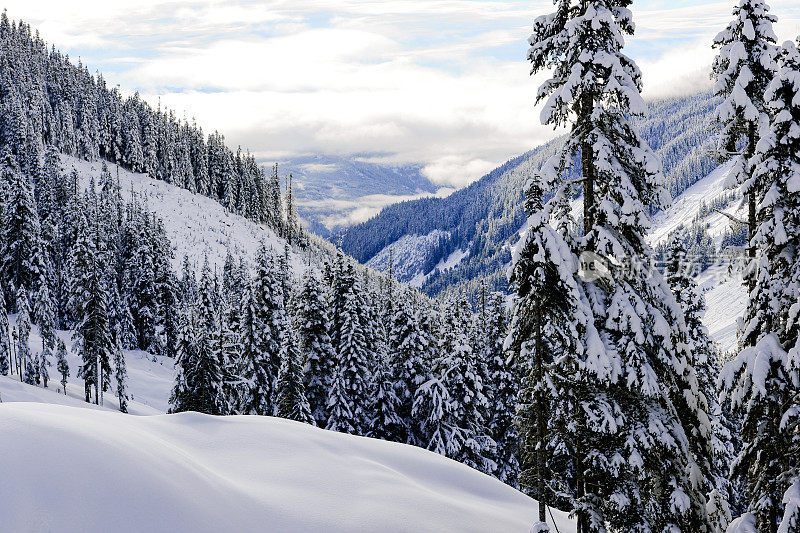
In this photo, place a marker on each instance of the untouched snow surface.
(77, 469)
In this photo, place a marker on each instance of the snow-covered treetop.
(584, 49)
(743, 68)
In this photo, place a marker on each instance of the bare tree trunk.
(751, 205)
(540, 419)
(587, 166)
(579, 492)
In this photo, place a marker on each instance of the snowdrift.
(77, 469)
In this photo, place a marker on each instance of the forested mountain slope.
(334, 192)
(484, 217)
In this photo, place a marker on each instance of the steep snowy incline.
(88, 470)
(688, 204)
(197, 226)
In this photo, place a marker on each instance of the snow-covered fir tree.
(549, 318)
(351, 386)
(28, 368)
(387, 424)
(646, 463)
(291, 399)
(121, 378)
(5, 340)
(763, 380)
(315, 341)
(458, 364)
(61, 363)
(742, 69)
(21, 262)
(264, 331)
(408, 347)
(502, 396)
(92, 334)
(692, 302)
(198, 384)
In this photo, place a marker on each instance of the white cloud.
(439, 82)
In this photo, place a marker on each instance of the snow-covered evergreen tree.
(5, 340)
(316, 345)
(692, 302)
(61, 363)
(92, 334)
(386, 423)
(504, 385)
(264, 324)
(408, 348)
(29, 372)
(763, 380)
(645, 465)
(198, 376)
(457, 363)
(20, 250)
(291, 399)
(435, 410)
(121, 377)
(743, 68)
(351, 385)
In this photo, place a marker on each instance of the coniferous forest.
(589, 382)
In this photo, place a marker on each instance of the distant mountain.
(476, 225)
(334, 192)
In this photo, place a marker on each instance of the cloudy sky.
(439, 82)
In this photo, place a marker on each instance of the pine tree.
(763, 380)
(121, 376)
(198, 377)
(263, 323)
(29, 370)
(408, 349)
(457, 364)
(5, 340)
(503, 395)
(648, 432)
(291, 399)
(340, 412)
(20, 252)
(387, 424)
(92, 335)
(61, 364)
(316, 345)
(350, 381)
(434, 408)
(705, 362)
(743, 68)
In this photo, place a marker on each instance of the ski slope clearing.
(79, 469)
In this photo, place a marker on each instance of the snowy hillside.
(197, 226)
(722, 283)
(193, 472)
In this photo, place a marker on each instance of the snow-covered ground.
(81, 467)
(78, 469)
(149, 380)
